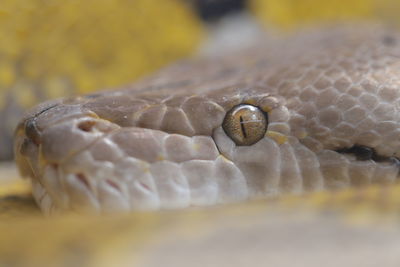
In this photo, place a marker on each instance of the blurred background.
(51, 49)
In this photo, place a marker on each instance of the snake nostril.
(31, 131)
(86, 126)
(30, 125)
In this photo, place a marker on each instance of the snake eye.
(245, 124)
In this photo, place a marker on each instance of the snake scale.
(320, 110)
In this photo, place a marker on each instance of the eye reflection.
(245, 124)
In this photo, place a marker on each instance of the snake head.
(314, 112)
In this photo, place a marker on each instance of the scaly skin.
(160, 144)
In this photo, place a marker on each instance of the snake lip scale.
(194, 133)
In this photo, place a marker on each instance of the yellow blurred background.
(51, 49)
(290, 14)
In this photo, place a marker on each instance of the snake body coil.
(331, 99)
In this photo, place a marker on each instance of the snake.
(316, 110)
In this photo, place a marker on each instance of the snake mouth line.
(364, 153)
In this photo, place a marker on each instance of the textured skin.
(160, 144)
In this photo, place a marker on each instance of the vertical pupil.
(242, 127)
